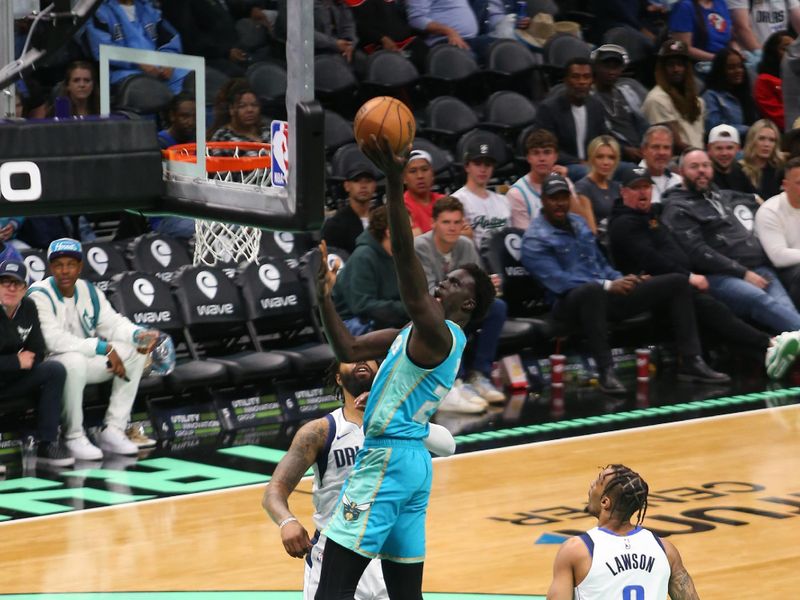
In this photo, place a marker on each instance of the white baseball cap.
(724, 133)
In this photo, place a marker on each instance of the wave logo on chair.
(144, 291)
(161, 252)
(514, 245)
(270, 277)
(285, 241)
(207, 284)
(98, 259)
(36, 268)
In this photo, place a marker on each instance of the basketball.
(385, 116)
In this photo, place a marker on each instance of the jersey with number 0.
(624, 567)
(404, 396)
(334, 464)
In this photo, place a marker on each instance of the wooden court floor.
(726, 488)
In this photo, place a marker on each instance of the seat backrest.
(498, 146)
(442, 159)
(158, 254)
(509, 56)
(523, 294)
(36, 263)
(450, 63)
(347, 155)
(268, 80)
(143, 95)
(563, 47)
(390, 69)
(102, 261)
(285, 246)
(449, 114)
(274, 297)
(145, 300)
(509, 108)
(634, 42)
(338, 131)
(332, 74)
(209, 302)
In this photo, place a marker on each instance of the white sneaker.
(82, 449)
(470, 394)
(782, 351)
(457, 400)
(114, 440)
(485, 388)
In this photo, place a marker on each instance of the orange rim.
(216, 164)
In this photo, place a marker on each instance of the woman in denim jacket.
(728, 95)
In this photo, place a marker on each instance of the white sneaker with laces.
(455, 401)
(485, 388)
(82, 449)
(114, 440)
(470, 394)
(782, 351)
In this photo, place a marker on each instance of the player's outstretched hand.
(381, 153)
(326, 276)
(295, 539)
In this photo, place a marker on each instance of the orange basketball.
(385, 116)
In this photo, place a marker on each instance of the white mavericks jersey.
(629, 567)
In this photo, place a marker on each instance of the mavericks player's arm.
(681, 586)
(569, 556)
(306, 445)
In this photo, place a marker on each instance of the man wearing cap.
(23, 370)
(342, 229)
(419, 196)
(560, 251)
(486, 211)
(95, 343)
(574, 117)
(674, 101)
(715, 229)
(640, 244)
(621, 103)
(723, 146)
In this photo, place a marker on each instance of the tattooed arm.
(681, 586)
(306, 445)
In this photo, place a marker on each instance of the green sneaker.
(783, 349)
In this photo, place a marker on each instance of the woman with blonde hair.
(763, 159)
(598, 188)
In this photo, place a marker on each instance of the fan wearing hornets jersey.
(329, 446)
(381, 513)
(617, 559)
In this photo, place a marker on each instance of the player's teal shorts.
(381, 510)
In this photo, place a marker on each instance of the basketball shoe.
(137, 435)
(485, 388)
(462, 399)
(782, 351)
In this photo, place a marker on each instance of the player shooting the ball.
(391, 479)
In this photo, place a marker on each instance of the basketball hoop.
(242, 163)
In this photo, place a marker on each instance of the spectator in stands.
(644, 18)
(715, 229)
(23, 370)
(135, 24)
(723, 146)
(486, 211)
(243, 121)
(640, 244)
(382, 25)
(703, 25)
(762, 161)
(790, 84)
(656, 156)
(728, 95)
(442, 250)
(8, 232)
(181, 121)
(366, 293)
(344, 227)
(621, 103)
(778, 230)
(674, 101)
(574, 116)
(755, 20)
(598, 188)
(586, 291)
(38, 232)
(451, 21)
(8, 252)
(334, 27)
(419, 195)
(95, 343)
(768, 91)
(79, 90)
(208, 29)
(524, 197)
(498, 18)
(31, 102)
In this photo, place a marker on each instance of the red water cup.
(557, 362)
(643, 364)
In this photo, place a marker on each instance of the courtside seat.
(309, 267)
(147, 301)
(102, 262)
(36, 263)
(215, 326)
(284, 245)
(516, 335)
(157, 254)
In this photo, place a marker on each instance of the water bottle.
(522, 10)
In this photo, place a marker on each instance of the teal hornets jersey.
(404, 396)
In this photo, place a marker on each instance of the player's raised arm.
(346, 346)
(426, 314)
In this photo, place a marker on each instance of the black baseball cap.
(631, 175)
(14, 269)
(477, 150)
(359, 170)
(554, 184)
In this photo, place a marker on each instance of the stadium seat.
(520, 152)
(285, 245)
(508, 112)
(157, 254)
(268, 81)
(510, 65)
(102, 261)
(446, 119)
(36, 262)
(334, 83)
(562, 48)
(346, 156)
(389, 73)
(142, 95)
(214, 81)
(215, 327)
(452, 71)
(338, 132)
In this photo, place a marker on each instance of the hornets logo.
(352, 510)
